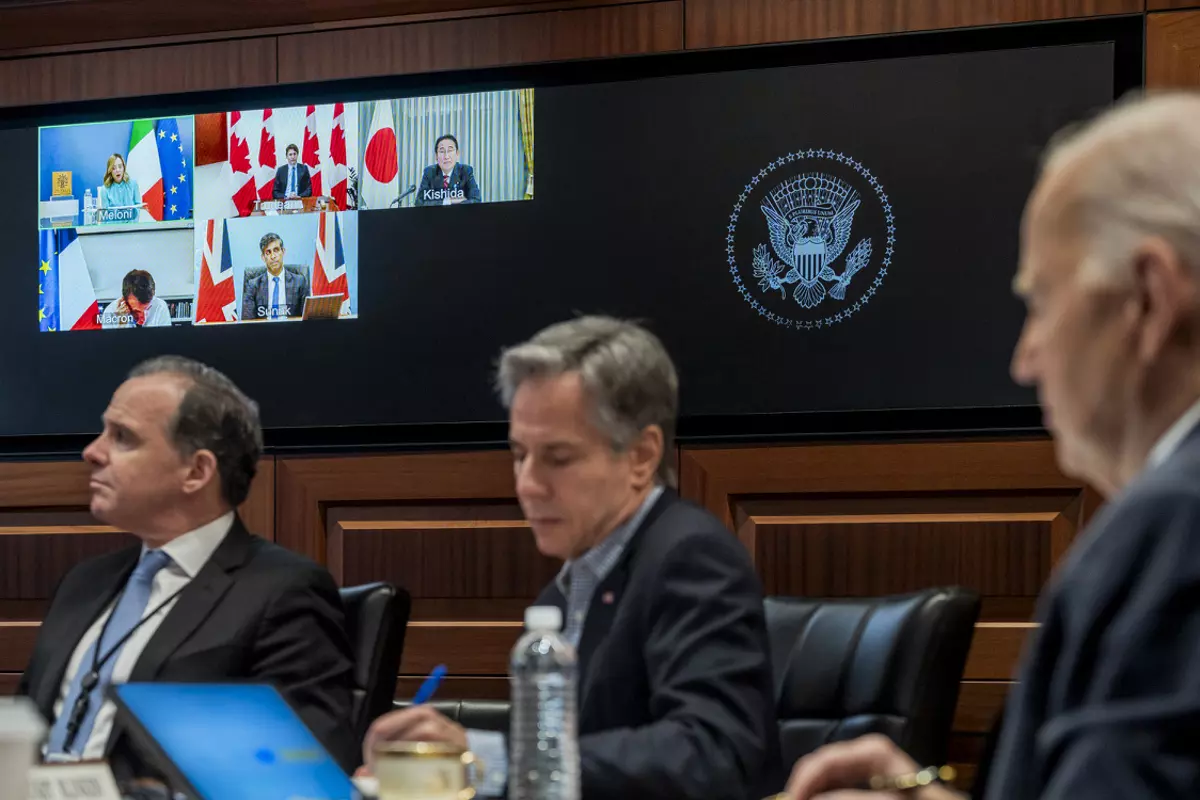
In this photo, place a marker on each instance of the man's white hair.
(1135, 175)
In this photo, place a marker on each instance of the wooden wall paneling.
(445, 526)
(107, 23)
(727, 23)
(1168, 5)
(306, 487)
(493, 688)
(137, 71)
(648, 27)
(1173, 50)
(873, 519)
(45, 530)
(258, 512)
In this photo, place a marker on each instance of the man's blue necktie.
(125, 617)
(291, 179)
(275, 297)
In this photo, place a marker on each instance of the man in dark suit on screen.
(1108, 699)
(659, 597)
(279, 291)
(198, 599)
(447, 182)
(292, 179)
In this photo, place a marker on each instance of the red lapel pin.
(607, 598)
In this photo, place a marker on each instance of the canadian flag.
(337, 155)
(216, 300)
(310, 154)
(329, 264)
(380, 163)
(241, 173)
(265, 177)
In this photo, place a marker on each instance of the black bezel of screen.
(1125, 32)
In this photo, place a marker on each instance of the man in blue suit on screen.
(293, 178)
(279, 290)
(447, 182)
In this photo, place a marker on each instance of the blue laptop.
(229, 742)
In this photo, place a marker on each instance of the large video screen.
(808, 236)
(251, 215)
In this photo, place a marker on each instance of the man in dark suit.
(1108, 700)
(280, 291)
(199, 598)
(447, 182)
(661, 600)
(293, 178)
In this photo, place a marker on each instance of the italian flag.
(143, 166)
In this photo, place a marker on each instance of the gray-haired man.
(660, 599)
(199, 598)
(1108, 699)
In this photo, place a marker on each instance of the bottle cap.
(543, 618)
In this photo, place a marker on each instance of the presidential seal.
(810, 239)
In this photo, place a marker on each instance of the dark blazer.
(255, 612)
(675, 688)
(1108, 703)
(462, 177)
(256, 293)
(303, 182)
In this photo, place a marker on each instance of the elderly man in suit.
(280, 291)
(447, 182)
(1108, 703)
(659, 597)
(198, 598)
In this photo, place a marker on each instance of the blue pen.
(430, 685)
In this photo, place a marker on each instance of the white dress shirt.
(189, 553)
(1173, 438)
(577, 580)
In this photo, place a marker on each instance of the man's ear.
(1164, 295)
(202, 471)
(646, 453)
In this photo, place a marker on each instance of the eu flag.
(176, 170)
(48, 281)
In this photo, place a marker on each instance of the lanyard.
(84, 701)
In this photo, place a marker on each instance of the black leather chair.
(376, 620)
(888, 665)
(480, 715)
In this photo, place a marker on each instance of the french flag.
(66, 280)
(216, 300)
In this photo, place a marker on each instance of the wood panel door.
(877, 519)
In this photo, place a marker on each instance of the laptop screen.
(236, 741)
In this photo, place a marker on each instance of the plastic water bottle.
(89, 212)
(544, 737)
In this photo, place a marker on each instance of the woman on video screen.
(119, 189)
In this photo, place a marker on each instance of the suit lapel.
(608, 596)
(77, 621)
(195, 602)
(599, 620)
